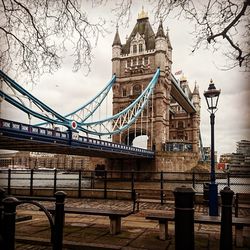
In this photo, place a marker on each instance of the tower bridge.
(147, 100)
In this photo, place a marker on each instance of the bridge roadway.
(24, 137)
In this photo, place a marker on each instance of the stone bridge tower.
(134, 64)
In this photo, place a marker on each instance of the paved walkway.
(92, 232)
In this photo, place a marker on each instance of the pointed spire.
(183, 78)
(168, 40)
(160, 31)
(196, 89)
(117, 40)
(143, 14)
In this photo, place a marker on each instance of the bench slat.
(94, 211)
(202, 219)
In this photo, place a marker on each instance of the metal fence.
(116, 180)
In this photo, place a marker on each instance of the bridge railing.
(104, 183)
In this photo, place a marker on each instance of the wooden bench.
(242, 200)
(35, 198)
(164, 218)
(114, 215)
(152, 196)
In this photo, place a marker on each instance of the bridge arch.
(128, 138)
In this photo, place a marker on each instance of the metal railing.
(105, 181)
(8, 207)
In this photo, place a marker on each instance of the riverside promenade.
(92, 232)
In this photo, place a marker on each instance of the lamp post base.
(213, 199)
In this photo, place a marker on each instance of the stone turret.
(196, 117)
(169, 46)
(160, 48)
(116, 53)
(196, 97)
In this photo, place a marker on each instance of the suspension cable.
(147, 118)
(152, 115)
(135, 129)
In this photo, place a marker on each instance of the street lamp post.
(212, 97)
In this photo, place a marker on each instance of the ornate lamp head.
(212, 97)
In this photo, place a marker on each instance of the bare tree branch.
(228, 19)
(33, 35)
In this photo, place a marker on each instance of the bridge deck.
(23, 137)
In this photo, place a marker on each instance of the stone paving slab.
(92, 232)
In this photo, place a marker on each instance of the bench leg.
(115, 225)
(239, 236)
(163, 226)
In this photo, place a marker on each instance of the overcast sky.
(65, 91)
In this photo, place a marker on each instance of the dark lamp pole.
(212, 97)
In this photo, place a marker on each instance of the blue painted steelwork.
(85, 111)
(62, 120)
(29, 111)
(122, 120)
(111, 125)
(71, 139)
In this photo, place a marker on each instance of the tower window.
(180, 125)
(129, 63)
(140, 47)
(124, 92)
(134, 61)
(134, 48)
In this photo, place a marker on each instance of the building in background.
(34, 160)
(240, 161)
(207, 155)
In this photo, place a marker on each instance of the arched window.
(134, 48)
(136, 89)
(140, 47)
(180, 125)
(129, 63)
(134, 61)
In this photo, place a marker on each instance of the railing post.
(184, 218)
(132, 185)
(92, 181)
(105, 184)
(9, 220)
(236, 206)
(2, 196)
(9, 181)
(59, 220)
(228, 179)
(226, 238)
(55, 180)
(193, 179)
(162, 194)
(31, 181)
(79, 183)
